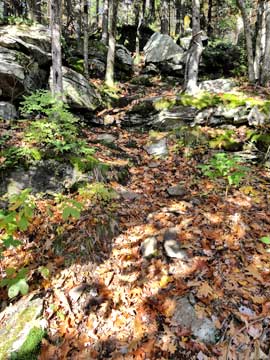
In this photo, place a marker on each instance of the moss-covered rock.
(22, 332)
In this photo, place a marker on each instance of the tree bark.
(260, 39)
(105, 21)
(265, 71)
(194, 52)
(57, 79)
(178, 18)
(97, 12)
(164, 17)
(85, 38)
(109, 77)
(249, 43)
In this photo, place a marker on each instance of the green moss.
(10, 334)
(31, 346)
(225, 141)
(164, 103)
(204, 100)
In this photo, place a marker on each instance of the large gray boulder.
(79, 93)
(47, 176)
(19, 74)
(7, 111)
(161, 48)
(34, 41)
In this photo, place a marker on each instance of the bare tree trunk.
(109, 77)
(249, 43)
(97, 12)
(178, 18)
(209, 18)
(265, 72)
(194, 52)
(85, 38)
(105, 20)
(57, 79)
(164, 17)
(260, 39)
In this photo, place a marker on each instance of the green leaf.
(10, 241)
(45, 272)
(20, 286)
(265, 240)
(23, 223)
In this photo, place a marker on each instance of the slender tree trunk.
(97, 12)
(265, 72)
(152, 11)
(57, 79)
(109, 77)
(249, 43)
(194, 52)
(178, 18)
(209, 18)
(164, 17)
(85, 38)
(260, 38)
(105, 18)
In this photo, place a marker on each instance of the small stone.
(173, 250)
(149, 247)
(177, 190)
(158, 148)
(106, 138)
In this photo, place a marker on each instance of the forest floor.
(105, 300)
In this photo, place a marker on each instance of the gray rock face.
(218, 85)
(21, 320)
(149, 247)
(34, 41)
(48, 176)
(124, 59)
(98, 59)
(163, 52)
(172, 246)
(255, 117)
(162, 48)
(78, 92)
(7, 111)
(158, 148)
(18, 74)
(186, 317)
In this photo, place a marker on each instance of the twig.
(241, 330)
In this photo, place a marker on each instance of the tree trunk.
(249, 43)
(85, 38)
(178, 18)
(209, 18)
(265, 72)
(109, 77)
(104, 37)
(194, 52)
(260, 39)
(164, 17)
(97, 12)
(57, 80)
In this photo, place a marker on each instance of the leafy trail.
(104, 300)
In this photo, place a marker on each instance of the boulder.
(22, 330)
(19, 74)
(161, 48)
(7, 111)
(165, 54)
(124, 61)
(79, 93)
(172, 246)
(218, 85)
(34, 41)
(48, 176)
(98, 59)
